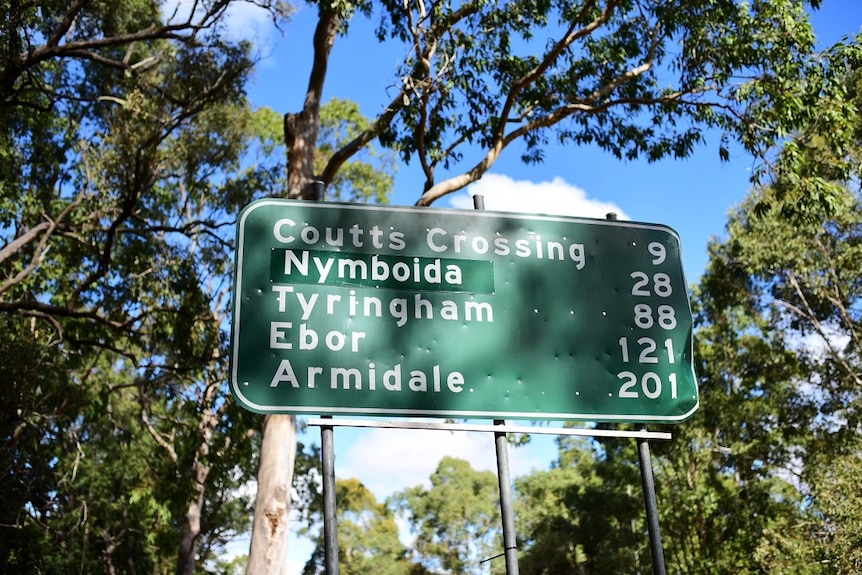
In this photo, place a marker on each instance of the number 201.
(651, 385)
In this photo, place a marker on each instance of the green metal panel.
(373, 310)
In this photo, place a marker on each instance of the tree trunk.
(269, 537)
(191, 531)
(300, 135)
(200, 471)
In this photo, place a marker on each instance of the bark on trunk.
(200, 471)
(269, 539)
(300, 137)
(191, 531)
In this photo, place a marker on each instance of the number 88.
(644, 318)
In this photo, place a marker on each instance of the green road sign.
(373, 310)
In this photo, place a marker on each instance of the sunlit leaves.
(456, 521)
(368, 537)
(639, 79)
(368, 175)
(822, 154)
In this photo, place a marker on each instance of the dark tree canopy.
(128, 146)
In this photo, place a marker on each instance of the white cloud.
(244, 20)
(390, 460)
(503, 193)
(822, 345)
(248, 21)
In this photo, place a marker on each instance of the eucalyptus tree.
(572, 518)
(124, 137)
(129, 148)
(637, 78)
(456, 522)
(368, 536)
(798, 274)
(726, 480)
(777, 346)
(798, 280)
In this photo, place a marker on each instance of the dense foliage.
(636, 78)
(128, 146)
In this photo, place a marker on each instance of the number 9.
(658, 252)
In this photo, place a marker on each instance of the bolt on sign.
(374, 310)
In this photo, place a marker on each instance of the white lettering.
(352, 268)
(401, 310)
(501, 246)
(323, 268)
(277, 334)
(419, 304)
(398, 310)
(429, 238)
(282, 296)
(309, 235)
(355, 378)
(480, 308)
(276, 230)
(449, 310)
(335, 341)
(401, 271)
(284, 373)
(576, 253)
(455, 382)
(307, 305)
(480, 245)
(356, 233)
(346, 376)
(290, 260)
(432, 273)
(379, 270)
(453, 275)
(307, 337)
(396, 241)
(392, 378)
(335, 239)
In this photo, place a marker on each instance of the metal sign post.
(651, 507)
(499, 429)
(501, 445)
(507, 508)
(327, 455)
(374, 310)
(330, 511)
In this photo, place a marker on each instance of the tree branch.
(66, 23)
(809, 315)
(145, 419)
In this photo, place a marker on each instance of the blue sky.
(693, 196)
